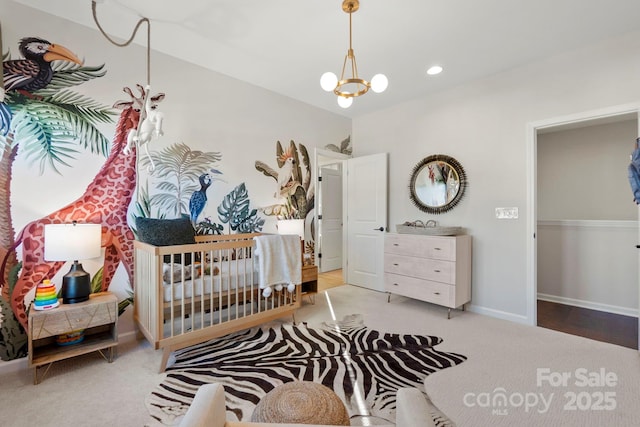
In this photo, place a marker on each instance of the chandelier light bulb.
(345, 102)
(379, 83)
(328, 81)
(436, 69)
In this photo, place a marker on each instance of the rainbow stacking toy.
(46, 297)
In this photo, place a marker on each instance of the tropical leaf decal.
(180, 167)
(234, 207)
(345, 146)
(96, 281)
(5, 118)
(208, 227)
(298, 193)
(13, 338)
(234, 210)
(252, 223)
(67, 74)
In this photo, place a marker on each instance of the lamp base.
(76, 285)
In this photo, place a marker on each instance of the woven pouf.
(301, 402)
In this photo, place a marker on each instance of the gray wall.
(582, 173)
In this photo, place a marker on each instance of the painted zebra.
(363, 366)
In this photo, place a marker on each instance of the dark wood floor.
(597, 325)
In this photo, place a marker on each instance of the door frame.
(577, 119)
(319, 157)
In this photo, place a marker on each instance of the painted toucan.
(34, 72)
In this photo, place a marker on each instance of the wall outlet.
(507, 213)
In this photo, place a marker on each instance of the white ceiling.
(286, 45)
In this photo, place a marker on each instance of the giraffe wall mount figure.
(105, 201)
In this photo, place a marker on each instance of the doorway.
(330, 218)
(584, 265)
(330, 241)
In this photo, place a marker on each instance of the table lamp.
(291, 226)
(71, 242)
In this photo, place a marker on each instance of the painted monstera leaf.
(234, 210)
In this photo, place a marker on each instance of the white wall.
(207, 111)
(484, 126)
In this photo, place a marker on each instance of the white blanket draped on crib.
(279, 260)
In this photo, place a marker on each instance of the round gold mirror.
(437, 184)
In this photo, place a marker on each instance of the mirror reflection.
(437, 183)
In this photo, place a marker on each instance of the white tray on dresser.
(435, 269)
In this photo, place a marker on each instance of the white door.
(366, 220)
(330, 218)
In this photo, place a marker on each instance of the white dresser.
(435, 269)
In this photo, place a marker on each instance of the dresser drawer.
(424, 290)
(435, 247)
(430, 269)
(72, 317)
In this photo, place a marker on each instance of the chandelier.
(350, 85)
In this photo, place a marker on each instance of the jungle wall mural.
(182, 177)
(294, 191)
(49, 123)
(52, 124)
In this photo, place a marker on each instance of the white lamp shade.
(72, 242)
(345, 102)
(379, 83)
(328, 81)
(291, 226)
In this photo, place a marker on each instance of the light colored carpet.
(87, 391)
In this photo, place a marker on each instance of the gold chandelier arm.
(349, 87)
(354, 65)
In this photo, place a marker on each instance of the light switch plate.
(507, 213)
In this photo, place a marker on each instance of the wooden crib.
(209, 290)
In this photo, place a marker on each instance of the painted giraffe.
(105, 201)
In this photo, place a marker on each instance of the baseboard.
(625, 311)
(504, 315)
(22, 363)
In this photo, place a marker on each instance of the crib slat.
(202, 306)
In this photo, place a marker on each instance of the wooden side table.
(310, 282)
(98, 317)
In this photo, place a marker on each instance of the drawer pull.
(437, 293)
(395, 284)
(395, 263)
(437, 249)
(437, 271)
(395, 244)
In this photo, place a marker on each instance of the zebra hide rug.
(362, 366)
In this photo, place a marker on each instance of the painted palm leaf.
(67, 74)
(48, 129)
(5, 119)
(179, 167)
(48, 142)
(74, 113)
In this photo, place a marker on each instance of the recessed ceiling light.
(436, 69)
